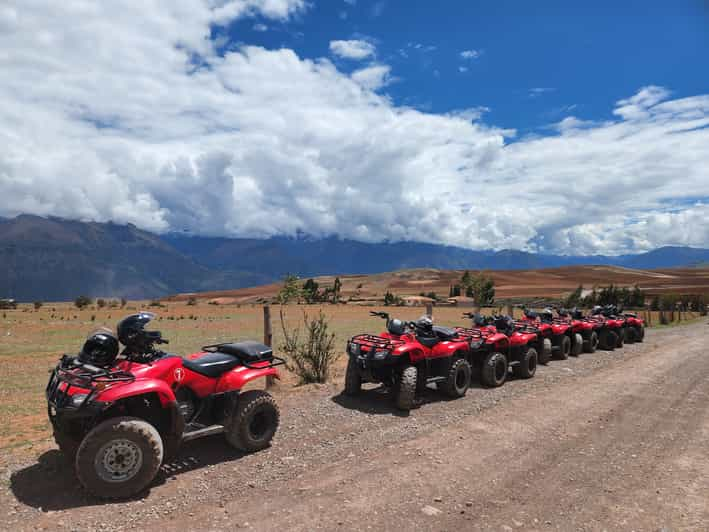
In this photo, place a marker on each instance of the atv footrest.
(201, 432)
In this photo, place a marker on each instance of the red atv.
(635, 328)
(498, 344)
(407, 357)
(563, 341)
(612, 334)
(118, 417)
(588, 329)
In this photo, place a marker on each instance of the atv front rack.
(372, 341)
(526, 327)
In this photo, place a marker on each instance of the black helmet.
(425, 323)
(546, 315)
(479, 321)
(132, 333)
(100, 349)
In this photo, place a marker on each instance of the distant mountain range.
(57, 259)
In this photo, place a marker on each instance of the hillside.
(57, 259)
(517, 284)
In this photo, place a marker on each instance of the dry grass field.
(32, 340)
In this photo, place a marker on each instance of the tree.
(290, 290)
(192, 301)
(100, 303)
(82, 301)
(454, 290)
(37, 305)
(391, 299)
(336, 290)
(124, 302)
(481, 288)
(574, 298)
(310, 290)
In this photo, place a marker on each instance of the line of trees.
(609, 295)
(309, 291)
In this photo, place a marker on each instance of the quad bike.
(588, 329)
(497, 345)
(635, 328)
(612, 333)
(407, 357)
(118, 417)
(557, 333)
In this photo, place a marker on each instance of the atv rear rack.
(376, 342)
(75, 374)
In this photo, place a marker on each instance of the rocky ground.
(608, 441)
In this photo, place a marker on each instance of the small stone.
(437, 499)
(430, 511)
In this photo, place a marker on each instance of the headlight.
(475, 344)
(380, 355)
(78, 399)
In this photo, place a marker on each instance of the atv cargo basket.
(376, 342)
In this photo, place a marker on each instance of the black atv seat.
(212, 364)
(221, 358)
(444, 333)
(248, 351)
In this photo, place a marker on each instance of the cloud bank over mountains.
(130, 112)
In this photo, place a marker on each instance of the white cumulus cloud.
(352, 49)
(102, 118)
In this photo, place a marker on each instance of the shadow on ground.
(50, 484)
(380, 400)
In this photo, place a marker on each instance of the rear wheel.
(254, 422)
(458, 380)
(630, 335)
(527, 367)
(590, 345)
(494, 370)
(353, 380)
(563, 348)
(406, 388)
(607, 340)
(119, 457)
(544, 354)
(577, 346)
(640, 333)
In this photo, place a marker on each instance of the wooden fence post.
(429, 309)
(267, 337)
(510, 310)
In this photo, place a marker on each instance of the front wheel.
(119, 457)
(254, 422)
(630, 335)
(527, 367)
(544, 354)
(620, 338)
(458, 380)
(406, 388)
(494, 370)
(353, 380)
(608, 340)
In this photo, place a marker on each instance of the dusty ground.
(609, 441)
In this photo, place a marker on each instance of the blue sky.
(556, 127)
(538, 60)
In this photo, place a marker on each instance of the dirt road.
(609, 441)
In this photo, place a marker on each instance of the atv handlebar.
(382, 315)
